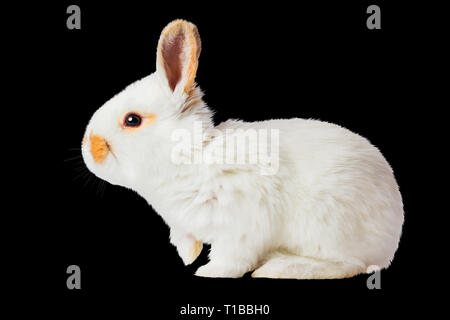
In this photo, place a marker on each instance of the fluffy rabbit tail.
(282, 265)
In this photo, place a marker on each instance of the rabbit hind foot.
(285, 266)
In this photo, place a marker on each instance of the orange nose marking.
(99, 148)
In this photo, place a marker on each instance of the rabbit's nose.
(99, 148)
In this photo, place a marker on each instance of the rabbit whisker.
(73, 158)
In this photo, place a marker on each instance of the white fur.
(334, 198)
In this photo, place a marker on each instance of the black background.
(259, 61)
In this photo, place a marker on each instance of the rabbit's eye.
(132, 120)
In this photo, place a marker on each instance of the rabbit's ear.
(177, 58)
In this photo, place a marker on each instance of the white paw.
(266, 273)
(189, 250)
(212, 270)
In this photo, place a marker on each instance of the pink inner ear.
(171, 51)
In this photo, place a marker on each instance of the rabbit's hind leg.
(281, 265)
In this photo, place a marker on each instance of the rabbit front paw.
(189, 249)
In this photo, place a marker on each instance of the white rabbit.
(331, 209)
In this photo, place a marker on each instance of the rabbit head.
(129, 137)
